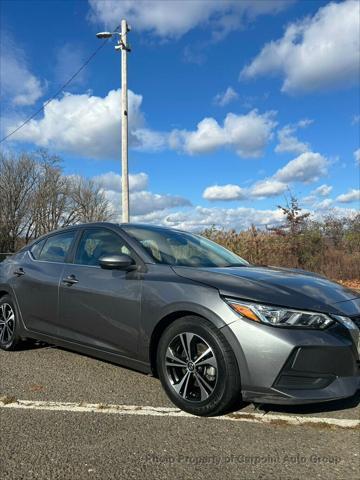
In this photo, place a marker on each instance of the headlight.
(346, 321)
(280, 317)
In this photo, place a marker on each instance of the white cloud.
(246, 134)
(90, 125)
(18, 84)
(208, 137)
(142, 201)
(306, 168)
(357, 155)
(334, 211)
(224, 192)
(288, 142)
(194, 53)
(309, 200)
(199, 218)
(324, 204)
(145, 202)
(112, 181)
(177, 17)
(316, 200)
(355, 120)
(268, 188)
(352, 195)
(323, 190)
(316, 53)
(145, 139)
(305, 122)
(224, 98)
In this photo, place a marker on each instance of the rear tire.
(197, 367)
(9, 324)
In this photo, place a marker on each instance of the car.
(215, 329)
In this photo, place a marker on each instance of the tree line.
(36, 197)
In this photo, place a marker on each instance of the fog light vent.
(300, 382)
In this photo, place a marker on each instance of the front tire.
(9, 326)
(197, 367)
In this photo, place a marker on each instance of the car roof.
(149, 226)
(107, 224)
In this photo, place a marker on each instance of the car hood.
(278, 286)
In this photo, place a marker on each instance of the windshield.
(173, 247)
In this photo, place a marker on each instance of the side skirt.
(92, 352)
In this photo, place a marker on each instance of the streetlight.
(106, 34)
(123, 46)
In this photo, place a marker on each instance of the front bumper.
(287, 366)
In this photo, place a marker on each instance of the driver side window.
(96, 243)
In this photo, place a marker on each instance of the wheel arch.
(6, 289)
(3, 292)
(170, 318)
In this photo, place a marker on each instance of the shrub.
(330, 247)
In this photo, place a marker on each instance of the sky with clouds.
(232, 103)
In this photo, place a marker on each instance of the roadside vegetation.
(330, 246)
(37, 197)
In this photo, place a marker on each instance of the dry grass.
(354, 284)
(331, 248)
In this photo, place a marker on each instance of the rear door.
(36, 281)
(100, 308)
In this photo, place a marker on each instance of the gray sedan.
(215, 329)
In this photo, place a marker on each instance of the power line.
(59, 91)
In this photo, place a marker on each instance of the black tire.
(9, 333)
(226, 385)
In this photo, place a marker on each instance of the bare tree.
(17, 181)
(295, 219)
(51, 207)
(88, 201)
(36, 198)
(294, 228)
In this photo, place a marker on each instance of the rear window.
(57, 247)
(36, 249)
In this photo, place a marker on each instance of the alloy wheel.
(7, 323)
(191, 367)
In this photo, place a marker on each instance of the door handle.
(19, 272)
(70, 280)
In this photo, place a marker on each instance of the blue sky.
(232, 103)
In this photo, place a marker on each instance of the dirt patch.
(6, 399)
(282, 422)
(36, 388)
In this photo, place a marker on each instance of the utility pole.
(124, 123)
(123, 46)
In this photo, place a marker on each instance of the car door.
(99, 307)
(36, 281)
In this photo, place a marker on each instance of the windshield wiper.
(236, 265)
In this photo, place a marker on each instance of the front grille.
(356, 320)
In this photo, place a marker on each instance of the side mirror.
(119, 262)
